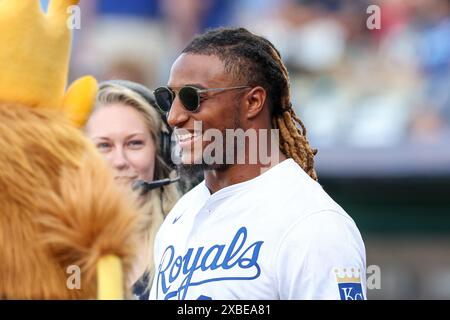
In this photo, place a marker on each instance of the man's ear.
(255, 100)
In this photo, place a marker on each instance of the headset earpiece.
(166, 148)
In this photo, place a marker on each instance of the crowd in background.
(382, 92)
(353, 87)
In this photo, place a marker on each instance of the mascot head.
(66, 230)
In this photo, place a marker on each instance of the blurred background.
(376, 103)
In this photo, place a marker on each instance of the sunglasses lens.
(164, 99)
(190, 98)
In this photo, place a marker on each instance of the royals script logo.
(237, 260)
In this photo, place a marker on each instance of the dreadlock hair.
(255, 60)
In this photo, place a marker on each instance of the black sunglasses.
(189, 96)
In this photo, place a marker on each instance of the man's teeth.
(188, 136)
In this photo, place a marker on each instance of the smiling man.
(251, 229)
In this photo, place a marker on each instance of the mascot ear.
(110, 282)
(79, 100)
(34, 58)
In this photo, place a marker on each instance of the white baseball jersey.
(277, 236)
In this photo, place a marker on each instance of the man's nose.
(178, 114)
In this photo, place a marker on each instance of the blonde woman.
(128, 130)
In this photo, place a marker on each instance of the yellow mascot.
(66, 231)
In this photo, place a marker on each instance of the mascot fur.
(59, 206)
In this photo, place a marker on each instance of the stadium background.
(376, 103)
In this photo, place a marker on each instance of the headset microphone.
(147, 186)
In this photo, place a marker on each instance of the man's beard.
(207, 164)
(192, 174)
(195, 171)
(194, 168)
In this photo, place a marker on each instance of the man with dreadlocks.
(251, 230)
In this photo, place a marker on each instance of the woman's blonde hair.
(156, 203)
